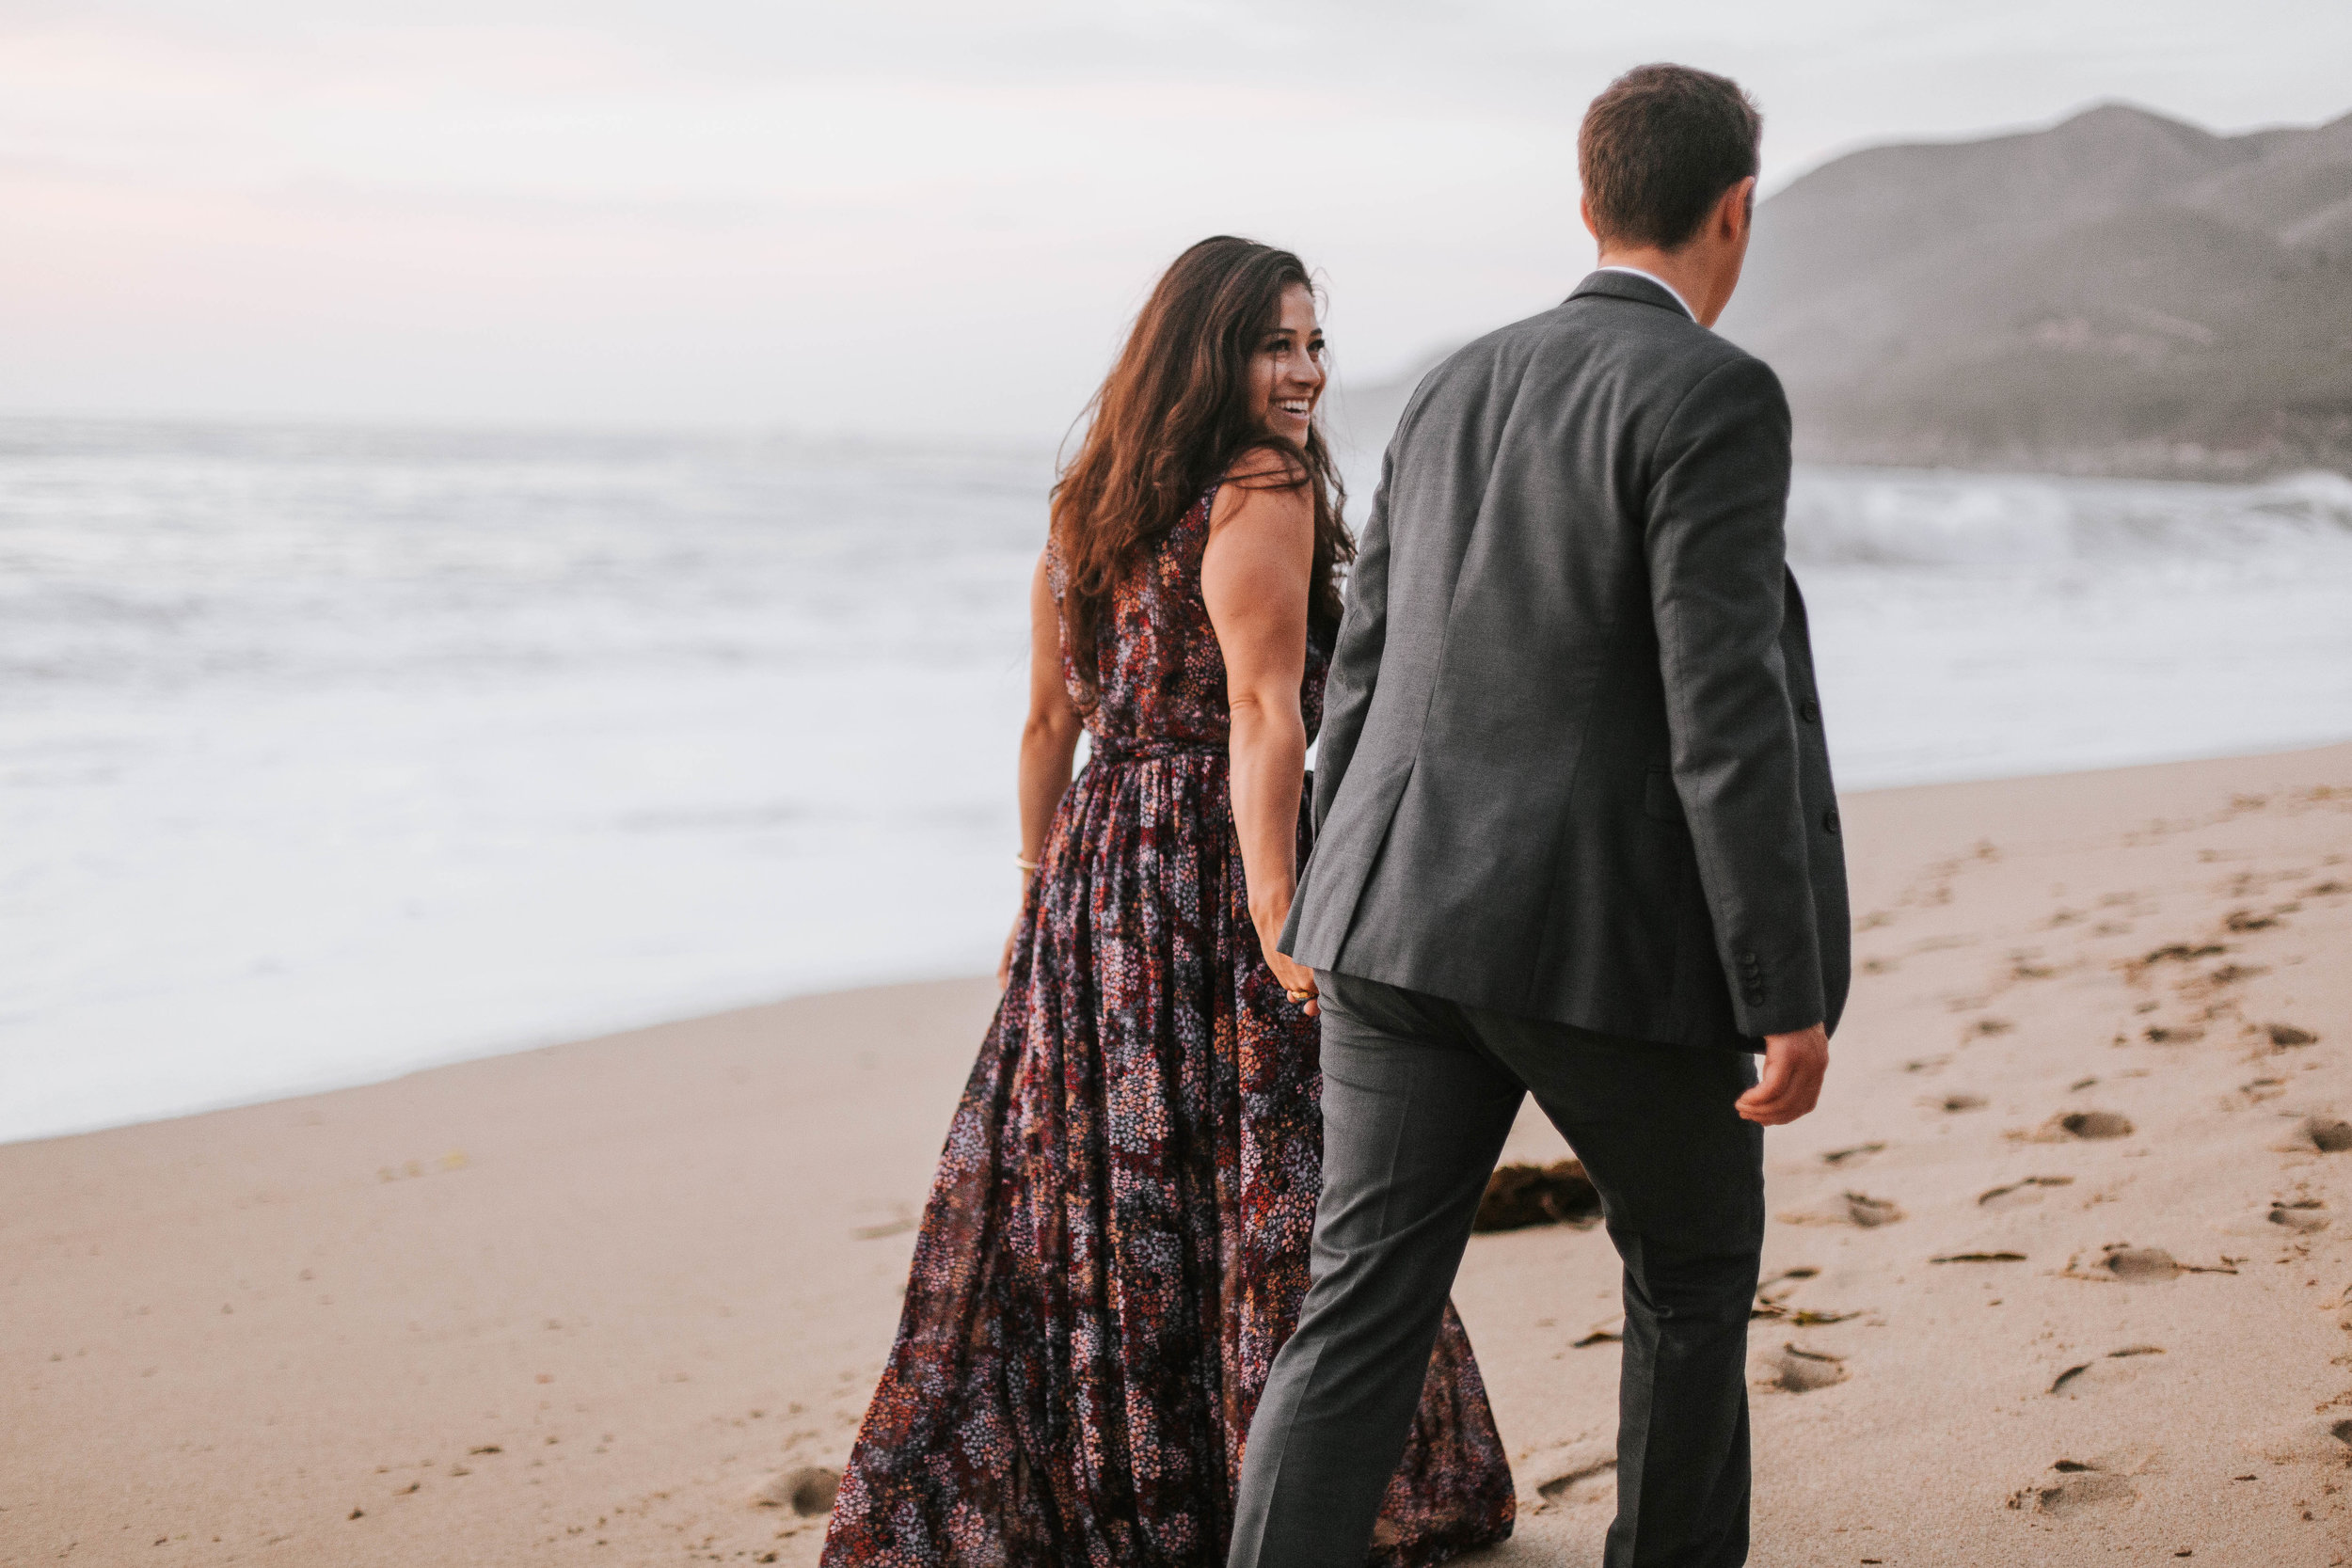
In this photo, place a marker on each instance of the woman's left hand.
(1004, 964)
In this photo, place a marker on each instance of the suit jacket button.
(1829, 819)
(1810, 711)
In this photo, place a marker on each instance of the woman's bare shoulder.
(1266, 467)
(1263, 483)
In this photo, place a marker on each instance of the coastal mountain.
(2120, 294)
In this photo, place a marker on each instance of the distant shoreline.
(2139, 460)
(1370, 409)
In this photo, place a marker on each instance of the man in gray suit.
(1576, 838)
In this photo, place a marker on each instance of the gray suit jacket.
(1572, 765)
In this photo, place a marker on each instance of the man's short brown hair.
(1660, 147)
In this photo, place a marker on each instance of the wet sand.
(2062, 1268)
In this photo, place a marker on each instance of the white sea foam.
(327, 754)
(1980, 625)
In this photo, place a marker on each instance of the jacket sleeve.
(1356, 661)
(1718, 570)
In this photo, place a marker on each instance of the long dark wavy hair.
(1174, 416)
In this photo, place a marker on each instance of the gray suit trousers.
(1418, 1096)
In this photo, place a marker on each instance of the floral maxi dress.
(1116, 1243)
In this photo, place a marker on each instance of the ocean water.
(328, 754)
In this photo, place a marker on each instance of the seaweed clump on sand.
(1519, 1196)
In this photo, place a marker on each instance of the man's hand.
(1794, 1066)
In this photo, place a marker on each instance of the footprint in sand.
(2177, 952)
(2285, 1036)
(1869, 1212)
(2116, 1367)
(809, 1490)
(2140, 1265)
(2303, 1217)
(2324, 1441)
(2282, 1218)
(2083, 1492)
(2076, 1486)
(1961, 1102)
(2323, 1133)
(2019, 1194)
(1853, 1156)
(1788, 1278)
(2091, 1125)
(1772, 1300)
(1848, 1209)
(1586, 1473)
(1793, 1369)
(1608, 1332)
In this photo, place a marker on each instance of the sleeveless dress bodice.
(1159, 684)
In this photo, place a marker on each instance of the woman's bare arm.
(1049, 737)
(1256, 576)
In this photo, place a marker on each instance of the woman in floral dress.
(1116, 1243)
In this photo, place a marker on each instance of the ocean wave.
(1928, 519)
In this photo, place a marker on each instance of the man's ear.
(1737, 209)
(1584, 211)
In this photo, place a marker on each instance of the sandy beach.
(2062, 1271)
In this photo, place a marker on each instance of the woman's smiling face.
(1287, 371)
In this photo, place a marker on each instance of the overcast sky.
(898, 215)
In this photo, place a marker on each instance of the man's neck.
(1690, 276)
(1680, 303)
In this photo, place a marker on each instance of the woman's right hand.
(1297, 980)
